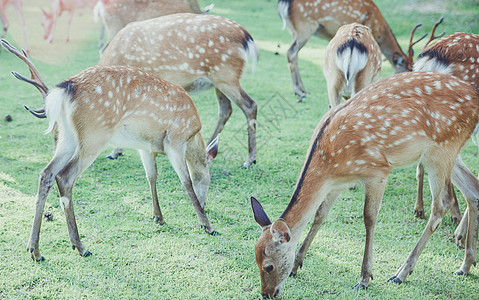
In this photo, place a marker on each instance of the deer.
(197, 52)
(456, 54)
(57, 8)
(303, 18)
(394, 122)
(352, 62)
(18, 7)
(119, 105)
(115, 14)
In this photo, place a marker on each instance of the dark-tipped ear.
(212, 149)
(259, 214)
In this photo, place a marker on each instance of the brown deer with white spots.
(197, 52)
(352, 62)
(394, 122)
(323, 18)
(116, 14)
(456, 54)
(3, 17)
(127, 107)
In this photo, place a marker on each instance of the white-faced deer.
(323, 18)
(394, 122)
(115, 14)
(124, 106)
(456, 54)
(352, 62)
(57, 8)
(18, 7)
(196, 52)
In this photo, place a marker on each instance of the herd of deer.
(136, 97)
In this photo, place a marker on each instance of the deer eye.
(268, 269)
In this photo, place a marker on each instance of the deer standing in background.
(196, 52)
(352, 62)
(57, 8)
(18, 7)
(394, 122)
(115, 14)
(323, 18)
(127, 107)
(456, 54)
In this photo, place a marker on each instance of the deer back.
(456, 54)
(183, 48)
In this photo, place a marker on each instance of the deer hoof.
(459, 273)
(86, 254)
(359, 286)
(159, 220)
(419, 214)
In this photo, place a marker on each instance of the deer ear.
(280, 232)
(259, 214)
(212, 149)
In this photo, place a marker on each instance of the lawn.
(133, 257)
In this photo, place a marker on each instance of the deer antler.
(433, 37)
(36, 80)
(410, 53)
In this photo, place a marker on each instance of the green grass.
(135, 258)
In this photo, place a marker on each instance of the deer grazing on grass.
(456, 54)
(323, 18)
(57, 8)
(115, 14)
(18, 7)
(124, 106)
(394, 122)
(352, 62)
(196, 52)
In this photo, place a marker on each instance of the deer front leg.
(374, 190)
(149, 163)
(321, 214)
(292, 55)
(419, 206)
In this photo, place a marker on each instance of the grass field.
(135, 258)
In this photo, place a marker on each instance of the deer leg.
(374, 191)
(441, 202)
(224, 113)
(461, 230)
(249, 107)
(292, 54)
(178, 161)
(18, 8)
(149, 163)
(467, 230)
(335, 87)
(117, 152)
(455, 211)
(4, 20)
(321, 214)
(419, 206)
(69, 23)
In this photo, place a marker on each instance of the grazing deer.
(352, 62)
(196, 52)
(394, 122)
(124, 106)
(115, 14)
(456, 54)
(57, 8)
(323, 18)
(18, 7)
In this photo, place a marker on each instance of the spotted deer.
(303, 18)
(196, 52)
(456, 54)
(127, 107)
(18, 7)
(115, 14)
(352, 62)
(394, 122)
(57, 7)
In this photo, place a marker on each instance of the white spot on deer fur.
(98, 89)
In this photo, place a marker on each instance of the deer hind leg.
(321, 214)
(419, 206)
(335, 86)
(299, 40)
(224, 113)
(117, 152)
(176, 155)
(467, 230)
(455, 211)
(439, 182)
(149, 163)
(374, 191)
(235, 93)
